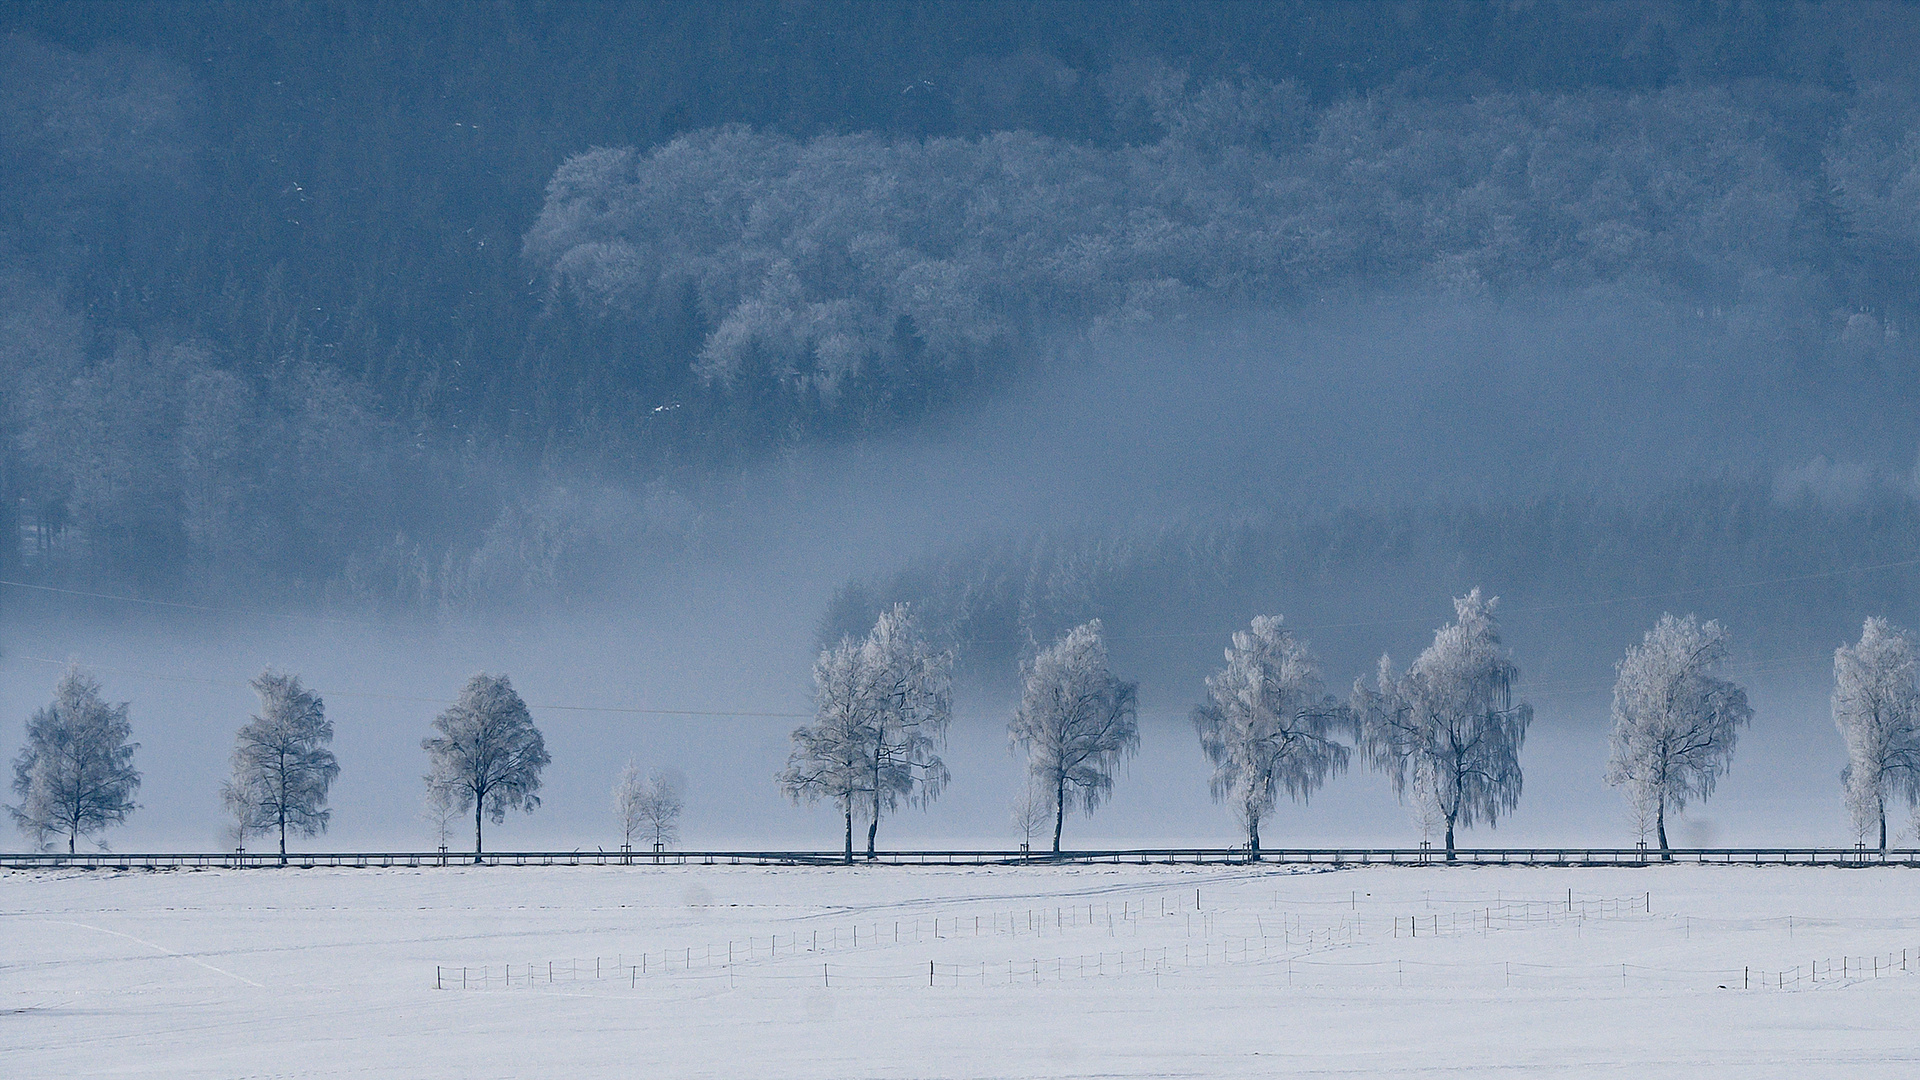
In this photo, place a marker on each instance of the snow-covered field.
(1040, 972)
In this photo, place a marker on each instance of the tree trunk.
(476, 830)
(1059, 810)
(849, 832)
(1883, 827)
(283, 836)
(73, 835)
(1253, 840)
(1660, 820)
(1449, 837)
(873, 826)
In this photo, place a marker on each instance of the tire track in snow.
(159, 948)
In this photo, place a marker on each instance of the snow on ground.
(1036, 972)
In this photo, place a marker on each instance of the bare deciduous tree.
(1876, 706)
(1076, 722)
(488, 755)
(882, 706)
(75, 776)
(282, 767)
(1674, 721)
(829, 754)
(1268, 725)
(1448, 732)
(648, 805)
(1029, 813)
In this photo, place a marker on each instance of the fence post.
(929, 973)
(436, 976)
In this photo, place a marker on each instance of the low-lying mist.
(1592, 460)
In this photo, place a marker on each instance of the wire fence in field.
(1198, 943)
(1166, 965)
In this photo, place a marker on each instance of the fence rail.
(1534, 856)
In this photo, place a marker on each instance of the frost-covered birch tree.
(282, 767)
(1268, 725)
(1448, 732)
(882, 706)
(912, 691)
(75, 776)
(487, 755)
(1675, 721)
(828, 754)
(1076, 721)
(648, 804)
(1876, 706)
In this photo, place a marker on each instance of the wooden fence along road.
(1560, 856)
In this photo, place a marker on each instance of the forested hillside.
(385, 303)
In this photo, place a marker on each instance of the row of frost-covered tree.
(76, 776)
(1448, 731)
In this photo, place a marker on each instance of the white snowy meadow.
(730, 971)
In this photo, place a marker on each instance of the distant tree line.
(1448, 731)
(984, 596)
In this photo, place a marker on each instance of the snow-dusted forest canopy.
(380, 305)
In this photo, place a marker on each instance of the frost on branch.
(75, 776)
(1076, 722)
(648, 805)
(881, 709)
(1876, 706)
(282, 767)
(1674, 720)
(1448, 732)
(487, 755)
(1268, 725)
